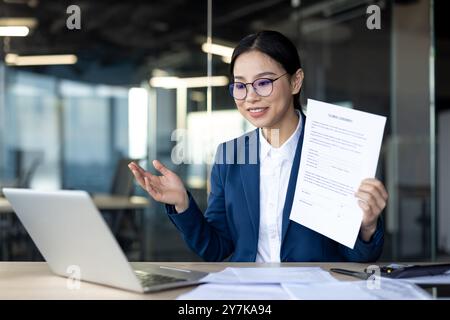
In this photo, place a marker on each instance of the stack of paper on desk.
(214, 291)
(357, 290)
(341, 290)
(270, 275)
(292, 283)
(255, 283)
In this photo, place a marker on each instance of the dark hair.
(275, 45)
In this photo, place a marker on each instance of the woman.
(249, 205)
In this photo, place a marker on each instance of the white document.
(269, 275)
(437, 279)
(225, 276)
(236, 292)
(283, 275)
(357, 290)
(341, 147)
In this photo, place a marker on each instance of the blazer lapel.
(250, 177)
(292, 181)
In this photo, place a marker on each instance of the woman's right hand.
(167, 188)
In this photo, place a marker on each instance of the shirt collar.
(287, 149)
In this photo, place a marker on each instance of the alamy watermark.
(374, 280)
(374, 19)
(74, 277)
(200, 150)
(73, 21)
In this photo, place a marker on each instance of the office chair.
(123, 224)
(12, 233)
(123, 180)
(25, 166)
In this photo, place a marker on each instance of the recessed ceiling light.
(56, 59)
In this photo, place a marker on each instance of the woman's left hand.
(372, 197)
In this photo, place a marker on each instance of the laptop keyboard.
(151, 279)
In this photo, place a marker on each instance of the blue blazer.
(230, 225)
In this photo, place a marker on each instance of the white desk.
(34, 280)
(5, 207)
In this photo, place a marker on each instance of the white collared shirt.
(275, 169)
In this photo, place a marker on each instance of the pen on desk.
(357, 274)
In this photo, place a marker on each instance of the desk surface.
(5, 207)
(34, 280)
(102, 201)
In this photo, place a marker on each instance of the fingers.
(135, 166)
(378, 185)
(147, 181)
(369, 191)
(140, 173)
(372, 197)
(368, 202)
(364, 205)
(158, 166)
(161, 168)
(150, 189)
(137, 175)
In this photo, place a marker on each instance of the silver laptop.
(71, 235)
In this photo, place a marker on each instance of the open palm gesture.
(167, 188)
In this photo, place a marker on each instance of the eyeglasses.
(262, 86)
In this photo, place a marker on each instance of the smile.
(257, 112)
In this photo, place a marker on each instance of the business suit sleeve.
(366, 251)
(207, 235)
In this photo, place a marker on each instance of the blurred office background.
(136, 71)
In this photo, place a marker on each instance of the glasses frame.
(231, 85)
